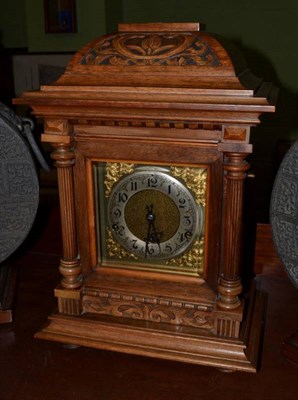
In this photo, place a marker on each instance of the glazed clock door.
(151, 217)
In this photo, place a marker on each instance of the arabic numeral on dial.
(182, 202)
(168, 249)
(150, 250)
(152, 182)
(187, 220)
(117, 213)
(134, 244)
(133, 186)
(122, 197)
(185, 236)
(120, 230)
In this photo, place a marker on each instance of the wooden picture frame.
(60, 16)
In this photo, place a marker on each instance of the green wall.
(22, 25)
(265, 28)
(13, 32)
(90, 24)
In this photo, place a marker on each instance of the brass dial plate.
(152, 214)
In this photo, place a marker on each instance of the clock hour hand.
(152, 235)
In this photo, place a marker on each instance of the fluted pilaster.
(229, 286)
(70, 263)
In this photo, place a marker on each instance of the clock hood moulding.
(165, 66)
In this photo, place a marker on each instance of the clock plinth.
(163, 340)
(150, 129)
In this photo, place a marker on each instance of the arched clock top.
(152, 49)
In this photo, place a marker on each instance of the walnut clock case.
(150, 129)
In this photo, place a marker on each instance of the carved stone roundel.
(284, 213)
(151, 49)
(19, 189)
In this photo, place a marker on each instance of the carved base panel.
(162, 340)
(162, 310)
(149, 309)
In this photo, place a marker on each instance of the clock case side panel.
(214, 222)
(85, 210)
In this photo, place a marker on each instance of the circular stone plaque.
(19, 188)
(284, 213)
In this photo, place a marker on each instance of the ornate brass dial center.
(166, 213)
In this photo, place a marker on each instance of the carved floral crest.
(151, 49)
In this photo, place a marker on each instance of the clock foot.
(226, 370)
(69, 346)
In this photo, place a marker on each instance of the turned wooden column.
(70, 263)
(229, 285)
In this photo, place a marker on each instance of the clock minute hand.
(150, 218)
(152, 235)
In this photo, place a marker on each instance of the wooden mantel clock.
(150, 129)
